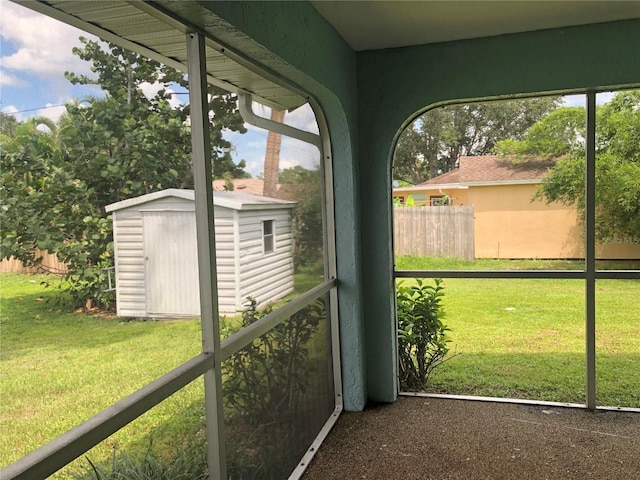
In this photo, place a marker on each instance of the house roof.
(232, 200)
(255, 186)
(491, 169)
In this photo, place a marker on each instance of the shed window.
(267, 236)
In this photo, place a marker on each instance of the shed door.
(171, 263)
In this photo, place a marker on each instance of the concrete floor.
(429, 438)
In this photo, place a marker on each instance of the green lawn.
(515, 338)
(525, 338)
(59, 368)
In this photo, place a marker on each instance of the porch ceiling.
(370, 25)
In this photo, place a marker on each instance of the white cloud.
(9, 80)
(53, 112)
(255, 168)
(574, 100)
(303, 118)
(43, 45)
(604, 97)
(11, 110)
(50, 111)
(581, 100)
(150, 89)
(288, 163)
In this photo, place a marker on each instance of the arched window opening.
(510, 252)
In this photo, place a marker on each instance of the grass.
(408, 262)
(59, 368)
(525, 338)
(516, 338)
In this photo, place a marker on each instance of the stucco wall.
(509, 225)
(396, 85)
(457, 196)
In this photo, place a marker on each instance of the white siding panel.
(129, 260)
(225, 262)
(167, 204)
(266, 278)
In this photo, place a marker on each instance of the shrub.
(266, 387)
(188, 464)
(422, 338)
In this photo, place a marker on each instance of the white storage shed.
(156, 264)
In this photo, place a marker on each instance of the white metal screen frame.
(590, 274)
(54, 455)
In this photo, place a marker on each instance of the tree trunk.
(272, 157)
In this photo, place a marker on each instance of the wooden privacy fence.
(50, 264)
(445, 231)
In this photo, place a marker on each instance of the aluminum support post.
(590, 250)
(201, 151)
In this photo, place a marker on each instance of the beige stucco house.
(509, 222)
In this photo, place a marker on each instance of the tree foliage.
(559, 137)
(432, 144)
(56, 184)
(555, 135)
(270, 384)
(307, 215)
(8, 124)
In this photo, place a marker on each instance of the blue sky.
(36, 50)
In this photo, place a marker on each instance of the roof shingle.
(491, 168)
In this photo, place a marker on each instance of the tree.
(272, 156)
(143, 142)
(557, 134)
(434, 142)
(8, 124)
(559, 138)
(307, 215)
(103, 150)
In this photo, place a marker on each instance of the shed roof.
(232, 200)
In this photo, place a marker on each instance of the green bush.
(422, 337)
(265, 392)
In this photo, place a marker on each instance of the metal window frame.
(266, 237)
(589, 274)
